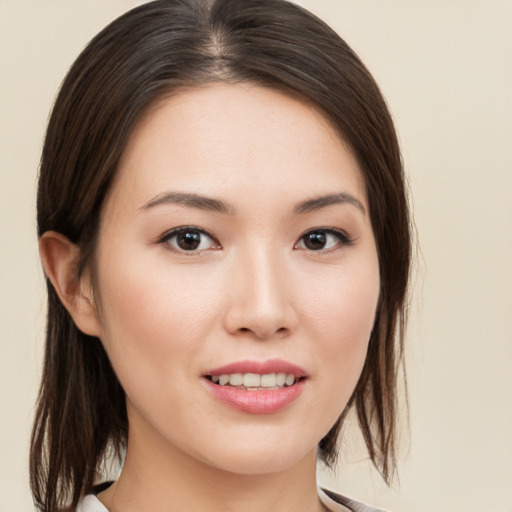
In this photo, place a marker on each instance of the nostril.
(264, 334)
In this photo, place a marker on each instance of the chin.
(258, 458)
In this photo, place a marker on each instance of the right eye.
(189, 239)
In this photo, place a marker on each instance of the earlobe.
(60, 257)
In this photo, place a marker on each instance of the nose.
(260, 299)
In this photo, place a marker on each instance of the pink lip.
(257, 401)
(261, 367)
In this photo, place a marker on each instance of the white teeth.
(280, 379)
(254, 380)
(236, 379)
(268, 380)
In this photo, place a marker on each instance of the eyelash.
(343, 239)
(173, 233)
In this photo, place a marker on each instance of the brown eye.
(189, 240)
(323, 239)
(315, 241)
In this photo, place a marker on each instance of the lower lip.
(259, 401)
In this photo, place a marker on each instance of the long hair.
(151, 51)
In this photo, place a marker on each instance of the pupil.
(315, 241)
(189, 240)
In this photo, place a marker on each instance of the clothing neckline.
(333, 501)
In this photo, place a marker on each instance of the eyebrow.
(189, 200)
(321, 202)
(192, 200)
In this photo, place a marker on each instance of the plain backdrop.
(446, 70)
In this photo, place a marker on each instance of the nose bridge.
(261, 299)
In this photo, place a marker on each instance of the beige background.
(446, 69)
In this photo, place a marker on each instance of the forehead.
(236, 139)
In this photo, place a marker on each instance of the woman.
(224, 230)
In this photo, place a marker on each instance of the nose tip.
(260, 303)
(258, 326)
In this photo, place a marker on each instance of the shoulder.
(338, 503)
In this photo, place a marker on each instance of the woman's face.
(236, 242)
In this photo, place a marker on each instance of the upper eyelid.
(335, 231)
(164, 241)
(344, 240)
(174, 231)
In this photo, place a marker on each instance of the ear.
(60, 259)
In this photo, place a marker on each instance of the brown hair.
(143, 55)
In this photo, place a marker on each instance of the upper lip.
(260, 367)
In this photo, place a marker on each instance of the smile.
(254, 381)
(256, 387)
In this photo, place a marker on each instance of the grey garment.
(347, 503)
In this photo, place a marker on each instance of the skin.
(253, 291)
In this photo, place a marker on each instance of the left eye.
(322, 239)
(189, 240)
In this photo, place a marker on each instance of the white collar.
(91, 503)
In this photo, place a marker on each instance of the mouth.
(256, 387)
(255, 381)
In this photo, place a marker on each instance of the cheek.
(344, 303)
(153, 319)
(342, 313)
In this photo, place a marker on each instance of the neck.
(170, 480)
